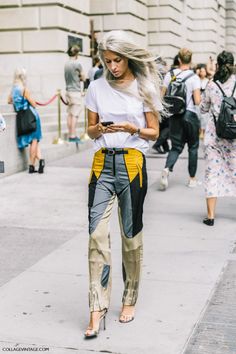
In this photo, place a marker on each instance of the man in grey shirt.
(73, 76)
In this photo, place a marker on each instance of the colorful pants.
(115, 173)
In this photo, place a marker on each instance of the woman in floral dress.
(220, 154)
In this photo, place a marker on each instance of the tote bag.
(25, 122)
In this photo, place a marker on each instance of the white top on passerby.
(117, 106)
(192, 84)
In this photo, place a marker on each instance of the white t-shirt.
(116, 106)
(193, 83)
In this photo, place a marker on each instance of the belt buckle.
(111, 152)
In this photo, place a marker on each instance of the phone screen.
(107, 123)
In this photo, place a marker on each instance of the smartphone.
(105, 124)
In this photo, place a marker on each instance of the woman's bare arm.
(26, 94)
(151, 132)
(9, 99)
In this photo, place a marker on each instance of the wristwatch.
(136, 133)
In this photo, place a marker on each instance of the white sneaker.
(163, 185)
(192, 183)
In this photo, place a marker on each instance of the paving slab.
(216, 331)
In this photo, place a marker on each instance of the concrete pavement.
(44, 275)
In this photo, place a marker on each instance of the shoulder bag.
(25, 122)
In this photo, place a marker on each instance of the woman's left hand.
(124, 127)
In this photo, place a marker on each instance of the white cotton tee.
(192, 84)
(116, 106)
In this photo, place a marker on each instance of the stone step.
(17, 160)
(47, 117)
(49, 136)
(52, 152)
(52, 108)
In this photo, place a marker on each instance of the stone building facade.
(36, 33)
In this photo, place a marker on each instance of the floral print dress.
(220, 154)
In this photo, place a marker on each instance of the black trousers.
(164, 134)
(184, 129)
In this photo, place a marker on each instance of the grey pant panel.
(111, 182)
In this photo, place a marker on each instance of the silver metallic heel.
(95, 332)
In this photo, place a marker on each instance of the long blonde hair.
(20, 77)
(141, 62)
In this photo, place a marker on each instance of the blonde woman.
(21, 99)
(123, 116)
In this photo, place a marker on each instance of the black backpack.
(176, 94)
(226, 122)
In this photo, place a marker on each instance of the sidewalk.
(44, 275)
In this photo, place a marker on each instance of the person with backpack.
(220, 134)
(161, 145)
(181, 91)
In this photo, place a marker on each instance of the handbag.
(25, 122)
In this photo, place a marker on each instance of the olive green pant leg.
(132, 258)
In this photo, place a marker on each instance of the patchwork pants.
(121, 174)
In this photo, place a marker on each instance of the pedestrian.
(202, 73)
(161, 146)
(21, 99)
(211, 68)
(184, 128)
(98, 73)
(123, 114)
(94, 69)
(220, 154)
(2, 129)
(74, 76)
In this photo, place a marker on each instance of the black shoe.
(41, 166)
(158, 149)
(167, 150)
(208, 222)
(166, 147)
(32, 169)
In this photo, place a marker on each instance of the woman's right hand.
(105, 129)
